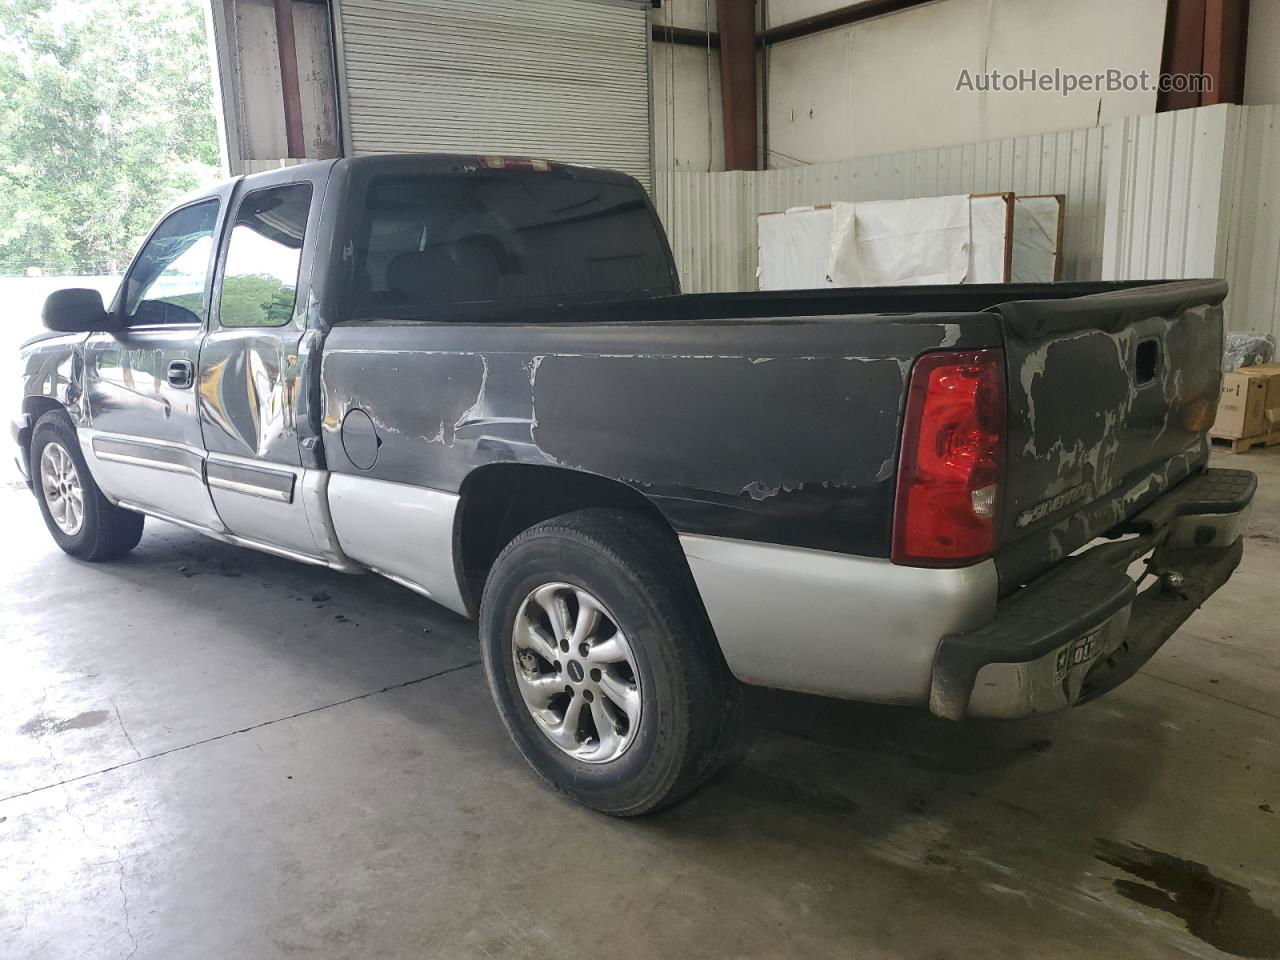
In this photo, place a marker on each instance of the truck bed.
(777, 416)
(685, 307)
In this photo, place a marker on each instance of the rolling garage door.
(556, 79)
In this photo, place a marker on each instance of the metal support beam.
(683, 36)
(840, 17)
(737, 21)
(225, 98)
(289, 86)
(1226, 29)
(1205, 36)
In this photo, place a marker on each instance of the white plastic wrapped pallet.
(989, 238)
(929, 240)
(799, 248)
(900, 242)
(1035, 238)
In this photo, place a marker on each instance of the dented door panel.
(248, 380)
(251, 375)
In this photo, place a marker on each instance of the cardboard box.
(1271, 412)
(1242, 406)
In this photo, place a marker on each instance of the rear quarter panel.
(778, 430)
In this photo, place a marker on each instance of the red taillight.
(952, 459)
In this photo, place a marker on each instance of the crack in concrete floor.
(232, 733)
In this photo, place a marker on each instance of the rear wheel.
(602, 663)
(83, 522)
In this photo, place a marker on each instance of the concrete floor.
(208, 752)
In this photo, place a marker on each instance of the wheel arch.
(34, 407)
(499, 501)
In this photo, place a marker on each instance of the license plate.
(1075, 653)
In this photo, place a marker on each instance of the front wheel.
(83, 522)
(602, 663)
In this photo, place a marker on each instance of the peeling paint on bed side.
(785, 431)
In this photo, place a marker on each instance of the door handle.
(182, 373)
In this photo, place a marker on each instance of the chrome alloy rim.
(576, 673)
(60, 483)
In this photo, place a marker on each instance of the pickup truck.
(476, 376)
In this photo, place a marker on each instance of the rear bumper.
(1083, 628)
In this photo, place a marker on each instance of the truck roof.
(419, 163)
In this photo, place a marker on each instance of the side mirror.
(77, 311)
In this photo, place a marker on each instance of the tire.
(60, 478)
(665, 687)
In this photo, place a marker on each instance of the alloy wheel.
(60, 483)
(577, 673)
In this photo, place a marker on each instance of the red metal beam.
(1183, 51)
(737, 21)
(1226, 36)
(289, 86)
(1205, 36)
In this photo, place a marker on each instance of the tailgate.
(1110, 398)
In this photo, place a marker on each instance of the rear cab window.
(501, 238)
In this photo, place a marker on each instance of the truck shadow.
(1048, 812)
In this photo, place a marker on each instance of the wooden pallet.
(1243, 444)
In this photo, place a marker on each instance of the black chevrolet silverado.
(477, 376)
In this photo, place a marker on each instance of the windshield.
(424, 241)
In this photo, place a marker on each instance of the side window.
(260, 281)
(167, 283)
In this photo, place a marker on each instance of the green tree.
(106, 117)
(255, 300)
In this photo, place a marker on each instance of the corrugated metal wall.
(1167, 197)
(1191, 193)
(1196, 193)
(1253, 234)
(711, 216)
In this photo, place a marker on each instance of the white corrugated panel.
(1168, 195)
(1190, 193)
(1253, 233)
(1196, 193)
(711, 216)
(561, 80)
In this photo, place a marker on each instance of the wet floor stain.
(42, 724)
(223, 568)
(1219, 912)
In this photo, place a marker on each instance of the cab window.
(169, 279)
(260, 280)
(431, 241)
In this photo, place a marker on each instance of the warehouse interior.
(213, 752)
